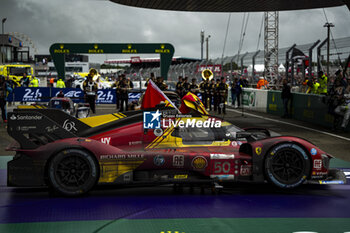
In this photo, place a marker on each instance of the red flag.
(154, 96)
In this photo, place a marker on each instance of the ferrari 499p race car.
(156, 145)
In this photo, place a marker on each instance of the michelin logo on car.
(151, 120)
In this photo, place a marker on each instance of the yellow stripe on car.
(30, 106)
(158, 139)
(111, 170)
(102, 119)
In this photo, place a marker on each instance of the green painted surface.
(4, 160)
(339, 163)
(210, 225)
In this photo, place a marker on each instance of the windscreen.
(18, 71)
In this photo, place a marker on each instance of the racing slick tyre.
(287, 165)
(72, 172)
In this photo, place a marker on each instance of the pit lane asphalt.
(334, 143)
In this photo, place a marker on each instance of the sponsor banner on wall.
(106, 96)
(213, 68)
(249, 97)
(44, 94)
(32, 94)
(255, 99)
(134, 96)
(76, 94)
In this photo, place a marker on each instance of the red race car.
(155, 145)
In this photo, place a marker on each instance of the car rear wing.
(32, 128)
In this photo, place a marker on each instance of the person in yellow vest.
(34, 82)
(323, 80)
(60, 84)
(309, 86)
(315, 86)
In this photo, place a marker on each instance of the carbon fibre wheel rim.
(287, 165)
(73, 172)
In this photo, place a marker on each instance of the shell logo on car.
(199, 162)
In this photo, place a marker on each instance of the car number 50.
(222, 167)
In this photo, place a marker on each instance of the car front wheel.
(287, 165)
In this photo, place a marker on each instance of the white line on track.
(288, 123)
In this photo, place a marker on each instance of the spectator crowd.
(214, 92)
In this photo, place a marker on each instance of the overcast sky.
(50, 21)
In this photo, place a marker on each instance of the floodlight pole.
(242, 62)
(319, 55)
(202, 42)
(231, 67)
(328, 26)
(287, 59)
(256, 54)
(310, 56)
(207, 42)
(3, 41)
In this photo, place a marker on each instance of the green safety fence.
(274, 103)
(305, 107)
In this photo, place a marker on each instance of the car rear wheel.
(287, 165)
(72, 172)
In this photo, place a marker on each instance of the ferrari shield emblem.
(258, 150)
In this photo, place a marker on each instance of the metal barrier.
(255, 99)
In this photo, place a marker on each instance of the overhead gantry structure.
(233, 5)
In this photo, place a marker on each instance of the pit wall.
(304, 107)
